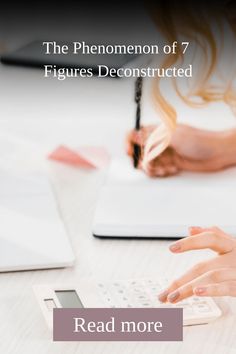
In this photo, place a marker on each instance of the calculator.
(133, 293)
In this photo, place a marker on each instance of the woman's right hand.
(213, 277)
(190, 149)
(163, 165)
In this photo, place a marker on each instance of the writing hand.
(190, 149)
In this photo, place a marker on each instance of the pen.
(138, 95)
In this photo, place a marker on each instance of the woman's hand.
(214, 277)
(191, 149)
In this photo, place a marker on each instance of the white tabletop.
(45, 113)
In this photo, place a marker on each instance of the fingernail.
(173, 297)
(175, 247)
(200, 291)
(163, 296)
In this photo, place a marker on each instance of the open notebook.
(132, 205)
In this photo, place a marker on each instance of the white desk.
(46, 113)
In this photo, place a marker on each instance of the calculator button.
(150, 282)
(142, 299)
(202, 307)
(146, 304)
(153, 284)
(138, 297)
(133, 283)
(137, 289)
(155, 289)
(104, 292)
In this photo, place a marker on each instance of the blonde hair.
(207, 26)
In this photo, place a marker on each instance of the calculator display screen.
(69, 298)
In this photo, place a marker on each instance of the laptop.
(32, 234)
(132, 205)
(33, 55)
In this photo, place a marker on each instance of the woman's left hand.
(214, 277)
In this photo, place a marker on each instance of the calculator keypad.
(144, 293)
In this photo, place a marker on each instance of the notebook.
(130, 204)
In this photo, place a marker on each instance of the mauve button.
(118, 324)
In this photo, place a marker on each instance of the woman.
(169, 148)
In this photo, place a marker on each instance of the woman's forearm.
(229, 147)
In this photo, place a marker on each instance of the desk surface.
(76, 112)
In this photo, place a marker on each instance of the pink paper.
(97, 155)
(70, 157)
(85, 156)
